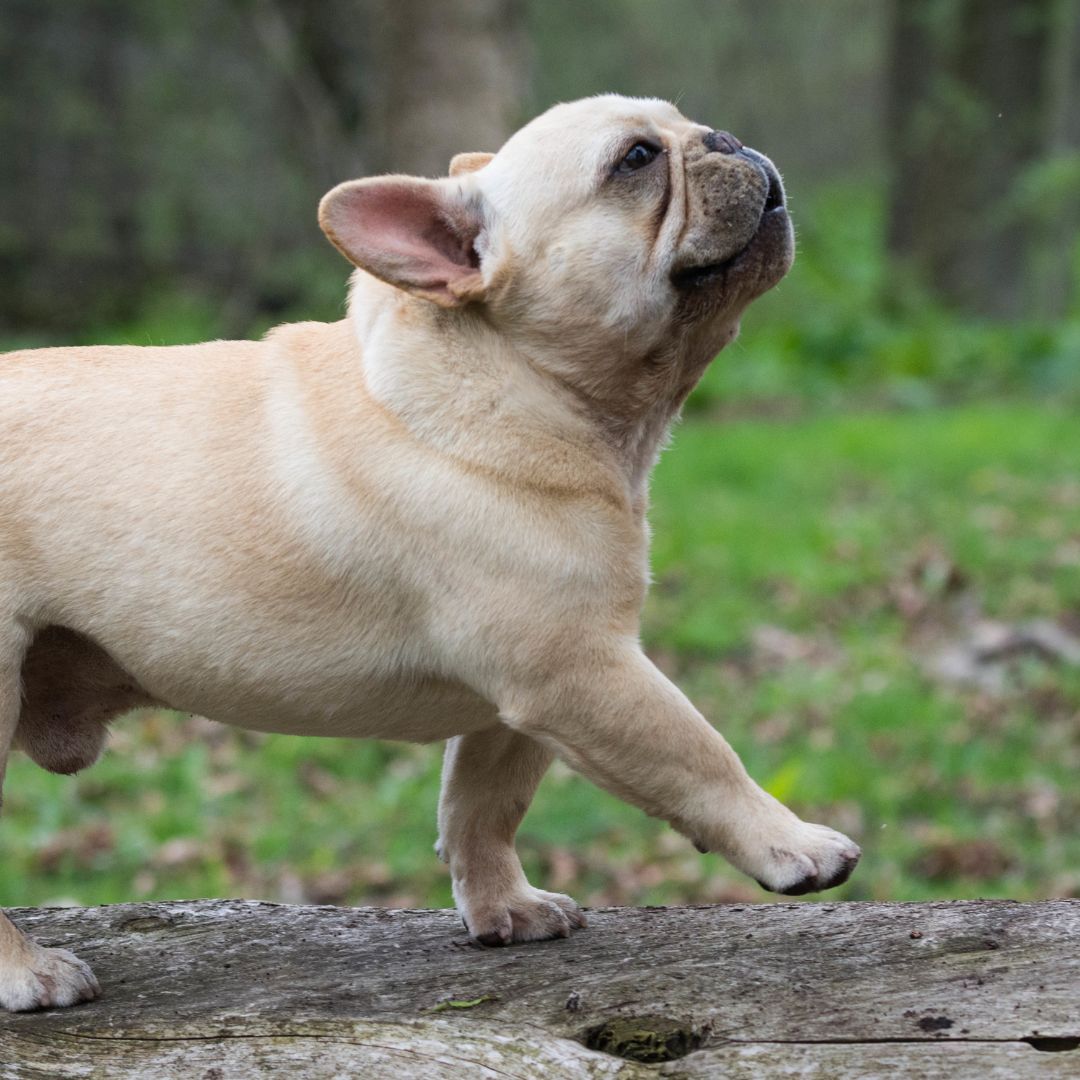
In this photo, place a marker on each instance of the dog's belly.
(426, 711)
(347, 676)
(298, 696)
(72, 682)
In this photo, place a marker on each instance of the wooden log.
(234, 989)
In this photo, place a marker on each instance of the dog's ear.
(419, 235)
(467, 163)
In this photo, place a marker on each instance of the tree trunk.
(972, 107)
(227, 990)
(1058, 238)
(444, 77)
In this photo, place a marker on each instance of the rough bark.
(445, 78)
(229, 989)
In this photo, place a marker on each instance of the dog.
(425, 521)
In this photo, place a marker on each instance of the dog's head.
(607, 232)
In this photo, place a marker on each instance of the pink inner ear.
(405, 231)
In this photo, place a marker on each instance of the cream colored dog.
(426, 521)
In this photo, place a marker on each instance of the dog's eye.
(640, 155)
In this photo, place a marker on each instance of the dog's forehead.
(594, 121)
(607, 110)
(591, 125)
(560, 153)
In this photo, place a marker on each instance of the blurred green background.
(867, 530)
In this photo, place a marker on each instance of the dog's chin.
(751, 271)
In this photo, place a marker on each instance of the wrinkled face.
(609, 237)
(623, 216)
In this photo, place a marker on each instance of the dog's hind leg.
(31, 976)
(489, 778)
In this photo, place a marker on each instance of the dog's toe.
(529, 915)
(822, 859)
(53, 979)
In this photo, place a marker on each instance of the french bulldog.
(425, 521)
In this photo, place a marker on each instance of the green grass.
(831, 528)
(818, 527)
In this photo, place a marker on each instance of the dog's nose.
(774, 198)
(722, 142)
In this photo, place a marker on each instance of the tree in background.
(162, 162)
(162, 155)
(451, 76)
(985, 151)
(406, 84)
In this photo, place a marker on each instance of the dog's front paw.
(811, 858)
(51, 979)
(528, 914)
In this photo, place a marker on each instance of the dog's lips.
(692, 277)
(774, 208)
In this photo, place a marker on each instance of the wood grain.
(223, 989)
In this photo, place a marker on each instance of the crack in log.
(1055, 1043)
(1035, 1042)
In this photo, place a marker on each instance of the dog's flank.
(426, 521)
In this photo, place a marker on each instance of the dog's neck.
(460, 387)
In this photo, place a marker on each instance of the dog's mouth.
(693, 277)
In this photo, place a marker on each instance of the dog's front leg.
(614, 717)
(31, 977)
(489, 778)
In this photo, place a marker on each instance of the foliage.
(847, 328)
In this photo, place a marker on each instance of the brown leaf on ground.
(562, 869)
(721, 890)
(956, 643)
(330, 886)
(979, 860)
(929, 580)
(181, 851)
(317, 780)
(983, 653)
(84, 844)
(236, 856)
(1067, 553)
(775, 647)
